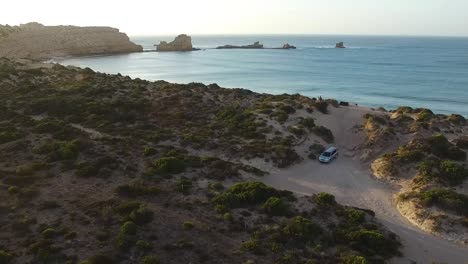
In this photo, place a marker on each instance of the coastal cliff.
(38, 42)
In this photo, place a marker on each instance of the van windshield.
(326, 154)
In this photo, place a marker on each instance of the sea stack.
(287, 46)
(340, 45)
(38, 42)
(180, 43)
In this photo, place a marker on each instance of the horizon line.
(298, 34)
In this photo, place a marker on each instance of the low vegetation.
(100, 168)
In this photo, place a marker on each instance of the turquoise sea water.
(372, 71)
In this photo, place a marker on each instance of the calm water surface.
(372, 71)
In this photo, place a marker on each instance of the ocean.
(429, 72)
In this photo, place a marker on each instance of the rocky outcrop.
(256, 45)
(340, 45)
(287, 46)
(180, 43)
(38, 42)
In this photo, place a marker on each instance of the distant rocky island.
(340, 45)
(180, 43)
(38, 42)
(255, 45)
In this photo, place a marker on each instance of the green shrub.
(324, 199)
(127, 207)
(247, 193)
(239, 122)
(252, 245)
(8, 136)
(372, 242)
(354, 217)
(60, 150)
(126, 235)
(228, 217)
(5, 257)
(316, 148)
(322, 107)
(441, 147)
(150, 260)
(452, 172)
(276, 207)
(302, 229)
(169, 165)
(407, 154)
(188, 225)
(149, 151)
(355, 260)
(287, 109)
(141, 216)
(13, 190)
(143, 245)
(128, 228)
(456, 119)
(86, 169)
(25, 170)
(424, 116)
(324, 133)
(308, 123)
(52, 126)
(445, 199)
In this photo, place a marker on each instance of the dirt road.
(352, 184)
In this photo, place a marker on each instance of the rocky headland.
(38, 42)
(180, 43)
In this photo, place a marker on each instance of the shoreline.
(59, 60)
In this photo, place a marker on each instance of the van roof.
(330, 149)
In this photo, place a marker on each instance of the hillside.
(38, 42)
(99, 168)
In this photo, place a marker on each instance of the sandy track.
(352, 184)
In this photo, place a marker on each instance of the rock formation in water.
(340, 45)
(180, 43)
(287, 46)
(38, 42)
(256, 45)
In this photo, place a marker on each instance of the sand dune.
(350, 180)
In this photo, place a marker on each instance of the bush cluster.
(325, 133)
(275, 206)
(445, 199)
(248, 193)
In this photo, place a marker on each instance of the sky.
(156, 17)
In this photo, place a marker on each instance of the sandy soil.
(352, 183)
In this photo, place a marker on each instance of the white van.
(328, 155)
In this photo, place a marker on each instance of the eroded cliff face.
(180, 43)
(39, 42)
